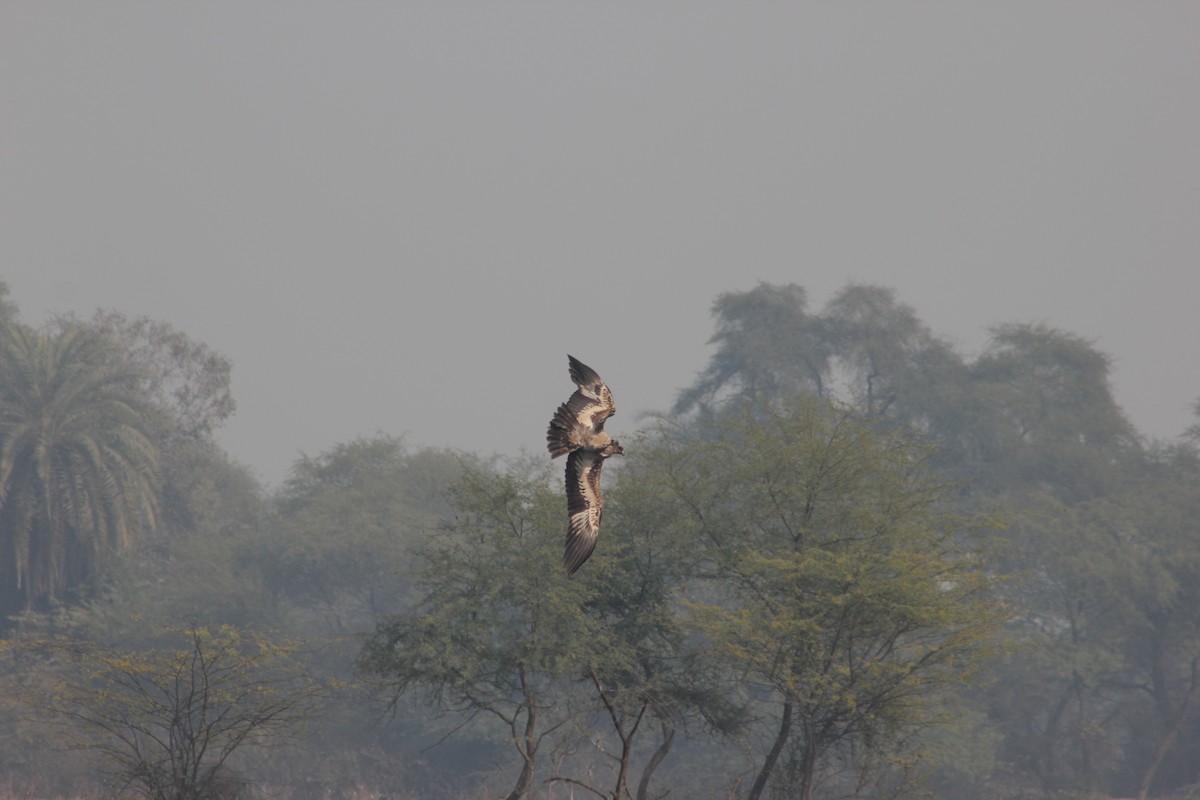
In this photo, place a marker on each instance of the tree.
(865, 348)
(897, 370)
(840, 590)
(499, 624)
(8, 309)
(1055, 450)
(894, 365)
(187, 378)
(767, 345)
(1102, 690)
(78, 464)
(342, 543)
(1193, 430)
(1050, 417)
(1162, 509)
(1058, 693)
(650, 671)
(167, 722)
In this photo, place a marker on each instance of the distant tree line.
(849, 562)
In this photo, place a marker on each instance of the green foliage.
(767, 345)
(652, 677)
(1048, 414)
(78, 462)
(894, 365)
(341, 545)
(865, 348)
(837, 586)
(498, 622)
(794, 595)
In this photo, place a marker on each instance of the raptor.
(577, 431)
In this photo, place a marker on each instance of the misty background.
(402, 216)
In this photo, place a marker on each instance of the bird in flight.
(577, 431)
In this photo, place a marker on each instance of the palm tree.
(78, 462)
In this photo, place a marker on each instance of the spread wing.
(583, 414)
(596, 400)
(584, 505)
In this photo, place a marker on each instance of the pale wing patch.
(592, 386)
(584, 413)
(584, 507)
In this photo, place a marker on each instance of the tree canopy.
(78, 461)
(852, 562)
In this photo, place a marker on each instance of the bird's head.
(613, 448)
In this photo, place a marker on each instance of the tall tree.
(499, 625)
(1058, 692)
(841, 590)
(1101, 695)
(895, 368)
(78, 464)
(651, 676)
(1050, 415)
(767, 344)
(1157, 518)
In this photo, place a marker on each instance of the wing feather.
(592, 386)
(584, 376)
(584, 507)
(584, 413)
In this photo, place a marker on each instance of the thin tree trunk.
(808, 769)
(626, 738)
(619, 790)
(527, 745)
(1046, 763)
(659, 755)
(1085, 747)
(764, 774)
(1168, 739)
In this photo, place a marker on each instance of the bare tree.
(167, 722)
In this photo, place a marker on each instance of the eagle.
(577, 431)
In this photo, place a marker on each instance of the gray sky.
(401, 216)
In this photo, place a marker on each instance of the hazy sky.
(401, 216)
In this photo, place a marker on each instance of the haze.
(402, 216)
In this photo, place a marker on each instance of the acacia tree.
(650, 676)
(78, 462)
(499, 625)
(839, 587)
(167, 722)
